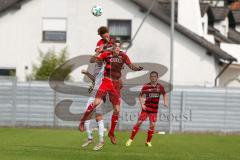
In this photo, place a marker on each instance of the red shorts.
(144, 115)
(112, 88)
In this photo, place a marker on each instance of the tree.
(49, 61)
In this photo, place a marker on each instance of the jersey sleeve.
(99, 43)
(102, 56)
(143, 90)
(162, 90)
(127, 60)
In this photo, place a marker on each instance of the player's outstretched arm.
(94, 58)
(165, 100)
(99, 48)
(89, 75)
(98, 57)
(135, 67)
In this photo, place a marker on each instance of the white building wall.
(193, 69)
(232, 49)
(230, 78)
(21, 37)
(238, 28)
(222, 26)
(190, 17)
(205, 24)
(207, 36)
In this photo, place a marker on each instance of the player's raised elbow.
(92, 60)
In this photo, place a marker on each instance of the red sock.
(150, 134)
(114, 123)
(134, 131)
(89, 110)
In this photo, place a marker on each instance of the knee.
(152, 126)
(99, 117)
(116, 110)
(139, 123)
(96, 103)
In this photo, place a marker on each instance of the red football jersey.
(153, 94)
(107, 45)
(114, 64)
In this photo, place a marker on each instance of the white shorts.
(98, 81)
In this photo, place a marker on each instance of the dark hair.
(117, 41)
(154, 72)
(102, 30)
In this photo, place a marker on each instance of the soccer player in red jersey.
(114, 60)
(104, 44)
(152, 92)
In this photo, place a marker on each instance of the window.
(54, 30)
(120, 29)
(7, 72)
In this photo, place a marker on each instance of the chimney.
(189, 15)
(235, 5)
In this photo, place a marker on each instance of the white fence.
(32, 104)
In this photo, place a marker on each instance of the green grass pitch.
(64, 144)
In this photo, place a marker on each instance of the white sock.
(88, 130)
(101, 130)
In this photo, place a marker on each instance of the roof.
(234, 35)
(7, 4)
(165, 6)
(218, 35)
(236, 16)
(161, 15)
(218, 13)
(204, 8)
